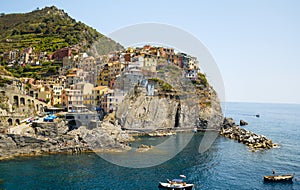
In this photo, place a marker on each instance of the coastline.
(56, 138)
(14, 156)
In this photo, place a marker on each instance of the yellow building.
(56, 95)
(44, 94)
(104, 76)
(98, 93)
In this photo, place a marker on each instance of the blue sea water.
(226, 165)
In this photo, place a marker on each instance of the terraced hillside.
(49, 29)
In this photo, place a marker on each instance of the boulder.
(143, 148)
(243, 123)
(228, 122)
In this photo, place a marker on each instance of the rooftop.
(100, 87)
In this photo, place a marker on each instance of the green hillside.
(49, 29)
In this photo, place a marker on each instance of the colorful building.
(87, 93)
(72, 100)
(98, 93)
(56, 95)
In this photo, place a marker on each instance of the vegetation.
(5, 81)
(58, 106)
(48, 29)
(156, 80)
(3, 102)
(164, 86)
(28, 86)
(201, 80)
(4, 72)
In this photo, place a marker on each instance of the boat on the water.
(279, 178)
(176, 184)
(162, 134)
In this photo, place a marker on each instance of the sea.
(226, 164)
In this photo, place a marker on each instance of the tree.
(38, 30)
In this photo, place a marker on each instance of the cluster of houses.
(30, 56)
(93, 83)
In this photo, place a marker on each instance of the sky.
(255, 43)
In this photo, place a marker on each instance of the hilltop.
(48, 30)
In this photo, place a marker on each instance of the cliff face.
(182, 106)
(155, 112)
(147, 112)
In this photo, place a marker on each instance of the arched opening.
(16, 100)
(74, 124)
(37, 107)
(17, 121)
(22, 101)
(28, 101)
(10, 122)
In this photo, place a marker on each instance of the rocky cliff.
(178, 103)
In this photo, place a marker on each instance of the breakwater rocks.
(252, 140)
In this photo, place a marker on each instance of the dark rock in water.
(243, 123)
(228, 122)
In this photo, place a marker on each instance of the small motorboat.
(279, 178)
(162, 134)
(176, 184)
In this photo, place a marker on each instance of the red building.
(64, 52)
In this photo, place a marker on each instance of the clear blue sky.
(256, 43)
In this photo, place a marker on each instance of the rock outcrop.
(243, 123)
(185, 104)
(143, 148)
(45, 138)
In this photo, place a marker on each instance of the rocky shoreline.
(253, 141)
(54, 138)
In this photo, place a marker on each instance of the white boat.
(176, 184)
(279, 178)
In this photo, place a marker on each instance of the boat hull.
(279, 178)
(176, 186)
